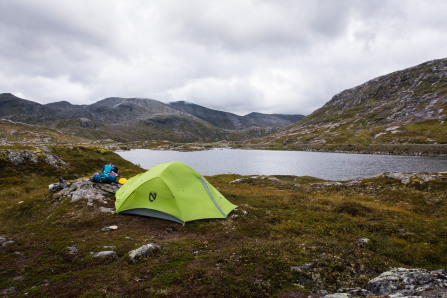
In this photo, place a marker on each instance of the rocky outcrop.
(41, 154)
(98, 195)
(404, 178)
(401, 282)
(407, 178)
(409, 282)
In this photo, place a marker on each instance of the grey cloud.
(238, 56)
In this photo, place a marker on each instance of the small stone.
(143, 251)
(356, 292)
(7, 242)
(304, 268)
(362, 242)
(72, 250)
(106, 254)
(238, 180)
(106, 210)
(319, 292)
(58, 185)
(18, 278)
(109, 228)
(337, 295)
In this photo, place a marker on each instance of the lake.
(331, 166)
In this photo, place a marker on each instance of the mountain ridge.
(135, 119)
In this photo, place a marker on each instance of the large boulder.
(401, 282)
(98, 195)
(408, 282)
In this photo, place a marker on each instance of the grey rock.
(7, 242)
(58, 185)
(106, 254)
(109, 228)
(86, 190)
(8, 291)
(54, 160)
(239, 180)
(2, 239)
(408, 282)
(107, 187)
(18, 278)
(362, 242)
(20, 157)
(406, 178)
(304, 268)
(143, 252)
(71, 250)
(356, 292)
(96, 194)
(106, 210)
(319, 292)
(338, 295)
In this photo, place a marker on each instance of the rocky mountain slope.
(404, 107)
(134, 119)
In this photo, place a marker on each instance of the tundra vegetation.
(282, 222)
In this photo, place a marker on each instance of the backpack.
(102, 178)
(114, 169)
(109, 168)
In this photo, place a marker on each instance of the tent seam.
(211, 196)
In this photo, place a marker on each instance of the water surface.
(331, 166)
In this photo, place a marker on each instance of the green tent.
(172, 191)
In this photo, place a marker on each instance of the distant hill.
(404, 107)
(135, 119)
(232, 121)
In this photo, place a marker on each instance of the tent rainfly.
(172, 191)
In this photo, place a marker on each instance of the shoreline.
(432, 150)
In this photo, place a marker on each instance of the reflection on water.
(331, 166)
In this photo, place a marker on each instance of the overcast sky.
(240, 56)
